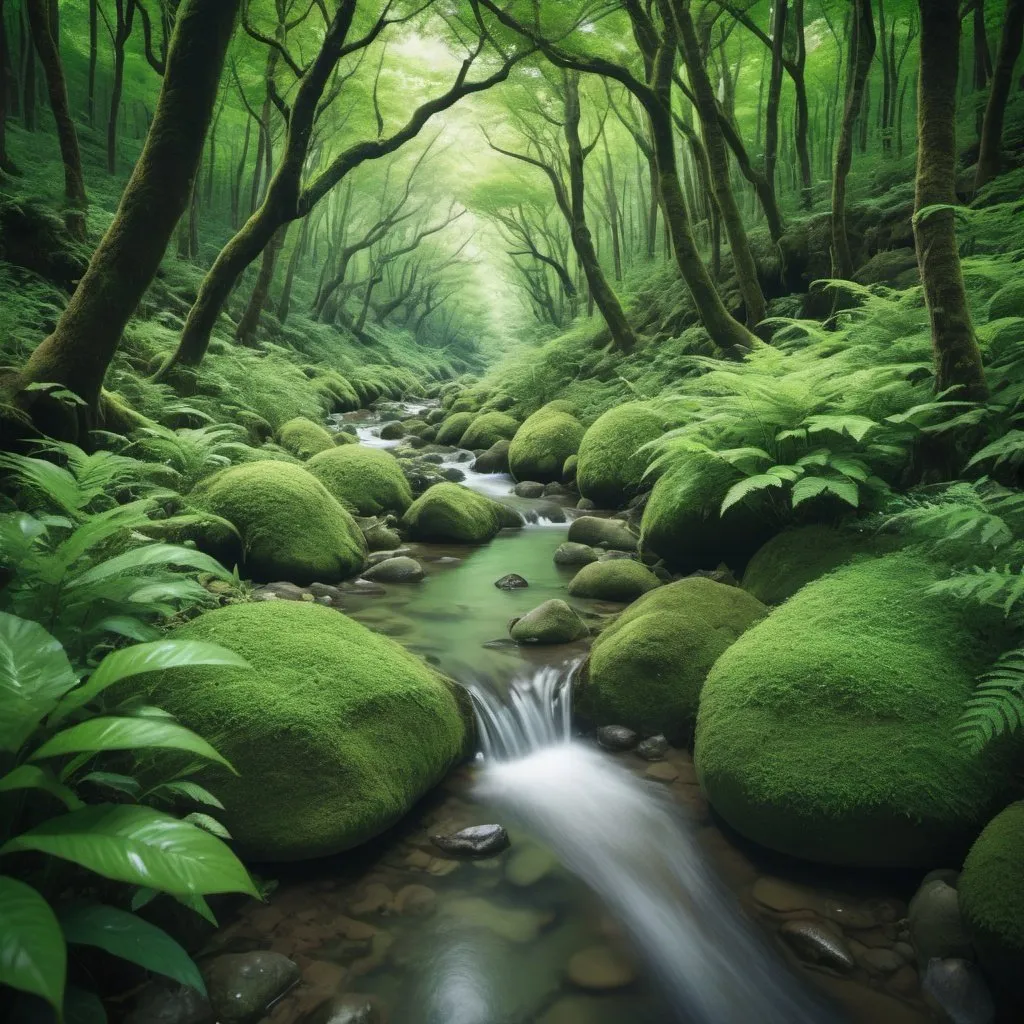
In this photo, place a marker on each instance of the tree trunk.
(802, 115)
(771, 128)
(245, 333)
(236, 190)
(123, 29)
(7, 166)
(75, 201)
(862, 51)
(990, 155)
(87, 334)
(957, 357)
(28, 76)
(90, 109)
(982, 56)
(285, 303)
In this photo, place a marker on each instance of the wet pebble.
(383, 556)
(415, 901)
(816, 944)
(936, 927)
(616, 737)
(475, 841)
(653, 748)
(241, 986)
(281, 591)
(513, 581)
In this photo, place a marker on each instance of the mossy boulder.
(681, 521)
(621, 579)
(991, 891)
(543, 443)
(570, 468)
(553, 622)
(488, 429)
(494, 460)
(611, 464)
(795, 557)
(344, 437)
(368, 480)
(451, 430)
(304, 438)
(292, 527)
(451, 513)
(647, 669)
(338, 393)
(594, 531)
(1008, 301)
(335, 730)
(827, 730)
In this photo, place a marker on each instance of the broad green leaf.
(813, 486)
(114, 780)
(809, 487)
(34, 674)
(208, 822)
(191, 791)
(31, 776)
(196, 904)
(33, 957)
(150, 657)
(124, 935)
(790, 473)
(854, 426)
(850, 467)
(746, 487)
(149, 555)
(109, 733)
(140, 846)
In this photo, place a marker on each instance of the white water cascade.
(624, 840)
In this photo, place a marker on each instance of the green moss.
(339, 395)
(827, 731)
(543, 443)
(611, 465)
(647, 669)
(1008, 301)
(570, 469)
(488, 429)
(681, 522)
(454, 514)
(619, 579)
(292, 528)
(304, 438)
(991, 890)
(452, 429)
(367, 479)
(210, 534)
(794, 558)
(553, 622)
(335, 730)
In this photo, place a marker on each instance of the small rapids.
(625, 842)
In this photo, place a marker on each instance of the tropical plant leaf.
(116, 781)
(139, 846)
(33, 957)
(208, 822)
(190, 791)
(149, 555)
(124, 935)
(31, 776)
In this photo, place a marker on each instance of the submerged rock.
(241, 986)
(957, 989)
(616, 737)
(552, 622)
(529, 489)
(818, 944)
(345, 1009)
(608, 533)
(571, 553)
(654, 748)
(513, 581)
(475, 841)
(395, 570)
(600, 969)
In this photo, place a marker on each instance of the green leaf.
(208, 822)
(149, 555)
(140, 846)
(856, 427)
(31, 776)
(809, 487)
(34, 674)
(114, 780)
(83, 1007)
(746, 487)
(850, 467)
(812, 486)
(100, 734)
(191, 791)
(124, 935)
(141, 658)
(33, 957)
(789, 473)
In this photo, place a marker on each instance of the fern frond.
(997, 705)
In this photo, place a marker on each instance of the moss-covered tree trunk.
(45, 44)
(7, 166)
(245, 332)
(990, 154)
(861, 54)
(957, 357)
(780, 13)
(125, 18)
(87, 334)
(803, 120)
(718, 161)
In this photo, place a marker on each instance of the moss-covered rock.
(292, 527)
(795, 557)
(488, 429)
(450, 431)
(369, 480)
(826, 731)
(344, 437)
(304, 438)
(681, 522)
(451, 513)
(991, 890)
(621, 579)
(543, 443)
(594, 531)
(570, 469)
(646, 670)
(553, 622)
(1008, 301)
(611, 464)
(339, 395)
(335, 731)
(494, 460)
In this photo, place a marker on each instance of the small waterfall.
(628, 843)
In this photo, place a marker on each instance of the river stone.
(597, 532)
(391, 431)
(475, 841)
(600, 969)
(585, 505)
(521, 926)
(346, 1009)
(513, 581)
(621, 580)
(494, 460)
(453, 475)
(617, 556)
(552, 622)
(957, 990)
(282, 591)
(616, 737)
(881, 960)
(395, 570)
(937, 930)
(381, 538)
(571, 553)
(529, 865)
(654, 748)
(415, 900)
(164, 1003)
(242, 985)
(382, 556)
(555, 488)
(818, 945)
(529, 489)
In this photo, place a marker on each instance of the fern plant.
(192, 452)
(54, 733)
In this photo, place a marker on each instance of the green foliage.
(192, 452)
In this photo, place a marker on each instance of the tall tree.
(990, 154)
(7, 165)
(124, 11)
(45, 44)
(957, 357)
(76, 355)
